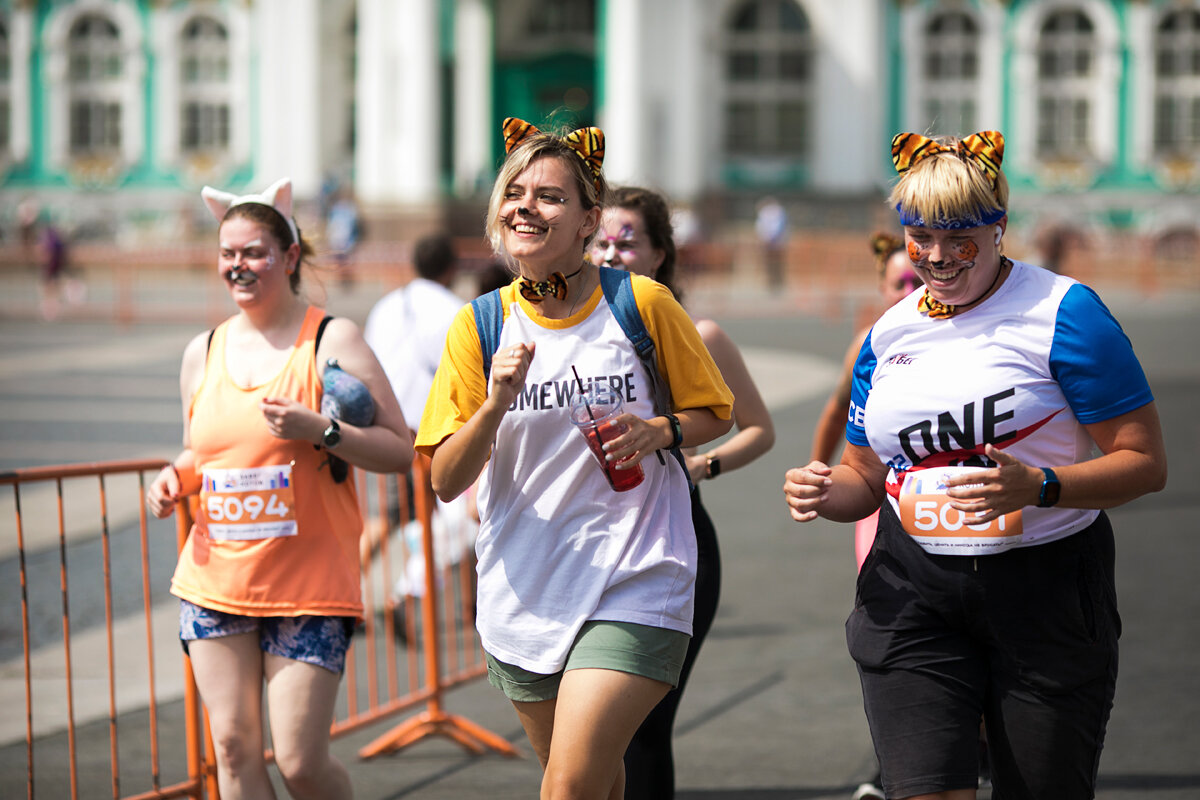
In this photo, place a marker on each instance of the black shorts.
(1026, 639)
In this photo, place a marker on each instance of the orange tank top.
(274, 534)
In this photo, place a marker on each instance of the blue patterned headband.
(915, 220)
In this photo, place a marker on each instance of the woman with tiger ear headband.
(585, 597)
(989, 589)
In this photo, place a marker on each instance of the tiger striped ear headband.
(588, 143)
(984, 149)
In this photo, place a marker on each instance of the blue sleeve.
(1093, 360)
(860, 387)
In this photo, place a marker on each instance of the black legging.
(649, 762)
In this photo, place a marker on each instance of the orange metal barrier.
(388, 671)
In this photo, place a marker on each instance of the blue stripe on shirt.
(1093, 360)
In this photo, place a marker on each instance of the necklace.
(936, 309)
(582, 286)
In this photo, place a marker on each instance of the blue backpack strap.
(617, 285)
(489, 319)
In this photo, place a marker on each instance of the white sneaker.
(868, 791)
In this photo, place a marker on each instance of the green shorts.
(655, 653)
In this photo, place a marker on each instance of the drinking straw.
(583, 394)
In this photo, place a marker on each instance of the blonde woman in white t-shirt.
(585, 594)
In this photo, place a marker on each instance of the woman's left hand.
(999, 490)
(287, 419)
(640, 440)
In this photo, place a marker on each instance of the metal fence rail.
(413, 647)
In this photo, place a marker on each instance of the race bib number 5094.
(245, 504)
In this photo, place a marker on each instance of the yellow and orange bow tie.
(934, 309)
(554, 286)
(984, 149)
(588, 143)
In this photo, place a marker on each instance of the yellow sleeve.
(683, 360)
(458, 389)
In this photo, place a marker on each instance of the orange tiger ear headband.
(983, 150)
(588, 143)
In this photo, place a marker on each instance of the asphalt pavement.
(773, 711)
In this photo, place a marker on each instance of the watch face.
(1051, 489)
(332, 435)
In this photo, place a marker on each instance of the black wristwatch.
(1051, 489)
(713, 469)
(676, 430)
(332, 435)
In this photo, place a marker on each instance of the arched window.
(1066, 71)
(94, 78)
(768, 68)
(204, 87)
(5, 90)
(1177, 85)
(950, 71)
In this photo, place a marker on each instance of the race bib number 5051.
(927, 516)
(245, 504)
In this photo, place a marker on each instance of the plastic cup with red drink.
(594, 413)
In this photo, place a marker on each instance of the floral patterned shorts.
(314, 640)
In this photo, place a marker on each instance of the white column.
(288, 112)
(21, 43)
(849, 63)
(689, 131)
(399, 90)
(420, 91)
(472, 97)
(623, 117)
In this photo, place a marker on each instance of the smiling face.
(957, 265)
(622, 243)
(251, 262)
(542, 222)
(898, 278)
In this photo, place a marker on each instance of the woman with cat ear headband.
(268, 578)
(585, 594)
(974, 407)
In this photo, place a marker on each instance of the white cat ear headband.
(278, 196)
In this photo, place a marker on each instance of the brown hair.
(884, 246)
(656, 215)
(277, 227)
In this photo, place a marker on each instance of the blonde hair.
(592, 189)
(946, 190)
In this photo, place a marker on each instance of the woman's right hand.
(163, 493)
(806, 488)
(509, 368)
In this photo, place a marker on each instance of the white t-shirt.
(1023, 371)
(407, 330)
(557, 546)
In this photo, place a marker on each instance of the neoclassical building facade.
(142, 101)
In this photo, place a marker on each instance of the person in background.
(268, 578)
(771, 226)
(407, 330)
(585, 594)
(407, 327)
(989, 591)
(897, 279)
(636, 235)
(343, 231)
